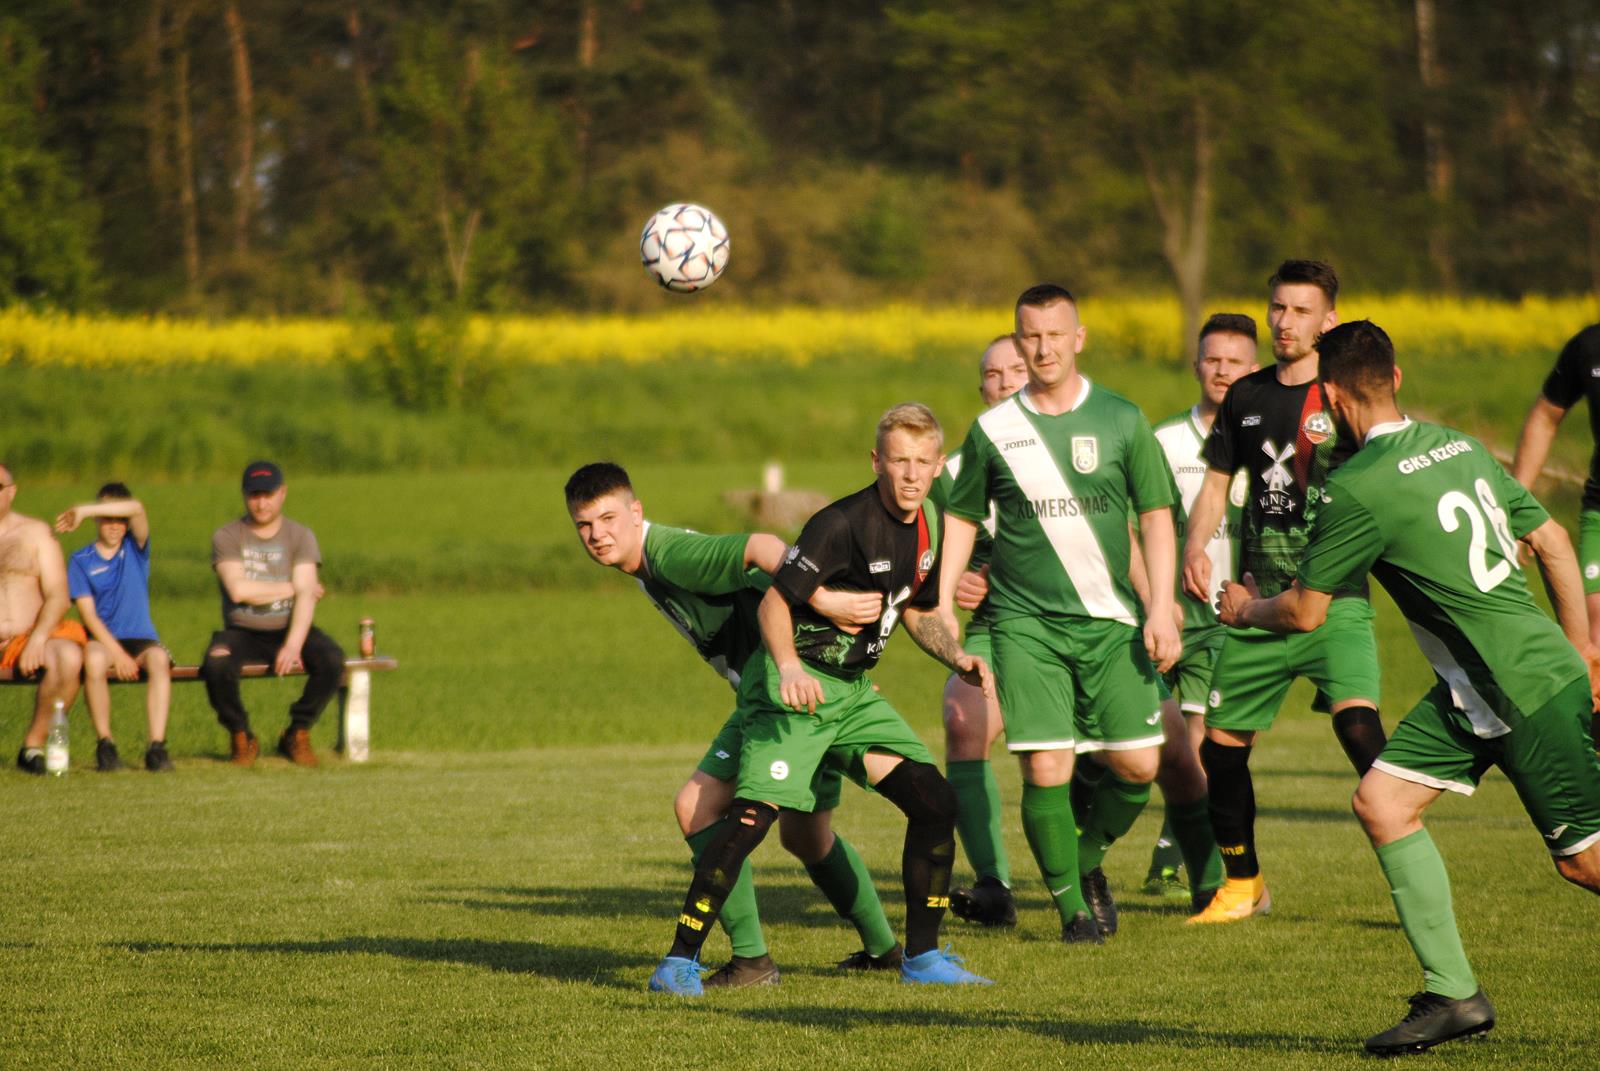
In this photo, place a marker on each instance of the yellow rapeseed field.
(1132, 326)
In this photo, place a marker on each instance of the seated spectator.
(267, 569)
(109, 581)
(33, 636)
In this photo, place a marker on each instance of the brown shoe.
(245, 749)
(295, 745)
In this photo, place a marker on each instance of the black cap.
(261, 477)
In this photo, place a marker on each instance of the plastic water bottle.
(55, 748)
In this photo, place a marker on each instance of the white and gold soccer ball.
(684, 247)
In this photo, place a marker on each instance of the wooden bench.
(355, 695)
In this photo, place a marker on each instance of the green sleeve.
(969, 495)
(1150, 483)
(1345, 542)
(703, 564)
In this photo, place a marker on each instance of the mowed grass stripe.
(505, 909)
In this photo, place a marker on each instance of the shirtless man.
(33, 636)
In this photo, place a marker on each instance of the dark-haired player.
(1274, 424)
(1227, 353)
(1064, 462)
(1576, 376)
(807, 699)
(709, 587)
(1430, 513)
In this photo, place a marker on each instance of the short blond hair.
(914, 417)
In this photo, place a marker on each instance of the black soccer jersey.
(1577, 375)
(1285, 438)
(855, 544)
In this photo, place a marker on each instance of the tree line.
(334, 156)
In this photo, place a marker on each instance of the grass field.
(493, 889)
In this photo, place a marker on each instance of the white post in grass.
(356, 720)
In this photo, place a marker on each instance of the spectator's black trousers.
(322, 658)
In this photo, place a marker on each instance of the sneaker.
(1098, 896)
(742, 971)
(106, 758)
(1166, 882)
(1433, 1019)
(678, 975)
(865, 961)
(295, 745)
(988, 903)
(936, 967)
(245, 749)
(31, 760)
(1239, 898)
(156, 758)
(1082, 930)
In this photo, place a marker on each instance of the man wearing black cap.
(267, 570)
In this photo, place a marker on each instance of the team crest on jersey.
(1318, 427)
(1239, 488)
(925, 563)
(1592, 571)
(1085, 453)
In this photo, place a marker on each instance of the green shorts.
(1190, 679)
(1255, 668)
(783, 751)
(1548, 757)
(722, 762)
(1589, 550)
(978, 640)
(1079, 682)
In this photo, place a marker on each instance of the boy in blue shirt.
(109, 582)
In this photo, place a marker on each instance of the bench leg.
(354, 706)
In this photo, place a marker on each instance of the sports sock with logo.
(1117, 804)
(1420, 886)
(1167, 855)
(722, 860)
(1232, 797)
(1191, 828)
(929, 804)
(978, 819)
(740, 917)
(844, 880)
(1053, 837)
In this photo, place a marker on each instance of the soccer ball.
(684, 247)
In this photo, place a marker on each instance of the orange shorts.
(67, 630)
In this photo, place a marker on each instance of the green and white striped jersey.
(1183, 442)
(701, 584)
(1062, 487)
(1430, 513)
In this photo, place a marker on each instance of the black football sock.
(1232, 799)
(1361, 735)
(1086, 777)
(747, 823)
(929, 804)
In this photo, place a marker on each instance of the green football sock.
(1086, 777)
(1191, 828)
(1167, 855)
(1047, 823)
(739, 915)
(978, 817)
(1421, 889)
(843, 879)
(1117, 804)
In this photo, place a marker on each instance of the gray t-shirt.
(272, 560)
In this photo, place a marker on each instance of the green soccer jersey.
(1431, 514)
(701, 584)
(939, 495)
(1182, 441)
(1062, 488)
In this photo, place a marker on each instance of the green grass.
(504, 910)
